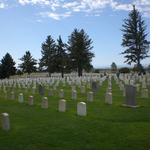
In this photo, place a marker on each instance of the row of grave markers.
(81, 106)
(81, 111)
(128, 91)
(125, 83)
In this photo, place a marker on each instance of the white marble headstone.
(81, 109)
(62, 105)
(5, 121)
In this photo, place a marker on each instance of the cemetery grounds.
(106, 127)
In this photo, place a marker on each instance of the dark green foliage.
(134, 38)
(96, 70)
(61, 56)
(88, 67)
(19, 72)
(124, 70)
(139, 69)
(28, 64)
(48, 55)
(7, 66)
(148, 68)
(40, 67)
(113, 67)
(79, 47)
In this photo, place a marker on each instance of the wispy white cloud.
(120, 6)
(86, 5)
(144, 2)
(52, 4)
(96, 4)
(70, 4)
(2, 5)
(56, 16)
(54, 7)
(34, 2)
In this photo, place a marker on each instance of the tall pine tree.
(7, 66)
(28, 64)
(113, 67)
(48, 55)
(61, 56)
(134, 39)
(79, 47)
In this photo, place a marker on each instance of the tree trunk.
(79, 71)
(139, 66)
(62, 73)
(49, 73)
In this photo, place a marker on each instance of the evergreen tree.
(113, 67)
(48, 55)
(79, 47)
(40, 67)
(61, 56)
(134, 39)
(28, 64)
(124, 70)
(7, 66)
(148, 68)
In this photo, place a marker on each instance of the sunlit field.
(106, 127)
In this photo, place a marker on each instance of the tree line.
(57, 56)
(76, 54)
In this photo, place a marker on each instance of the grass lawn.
(106, 127)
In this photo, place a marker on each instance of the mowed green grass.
(106, 127)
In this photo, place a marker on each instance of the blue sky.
(25, 24)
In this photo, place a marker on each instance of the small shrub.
(124, 70)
